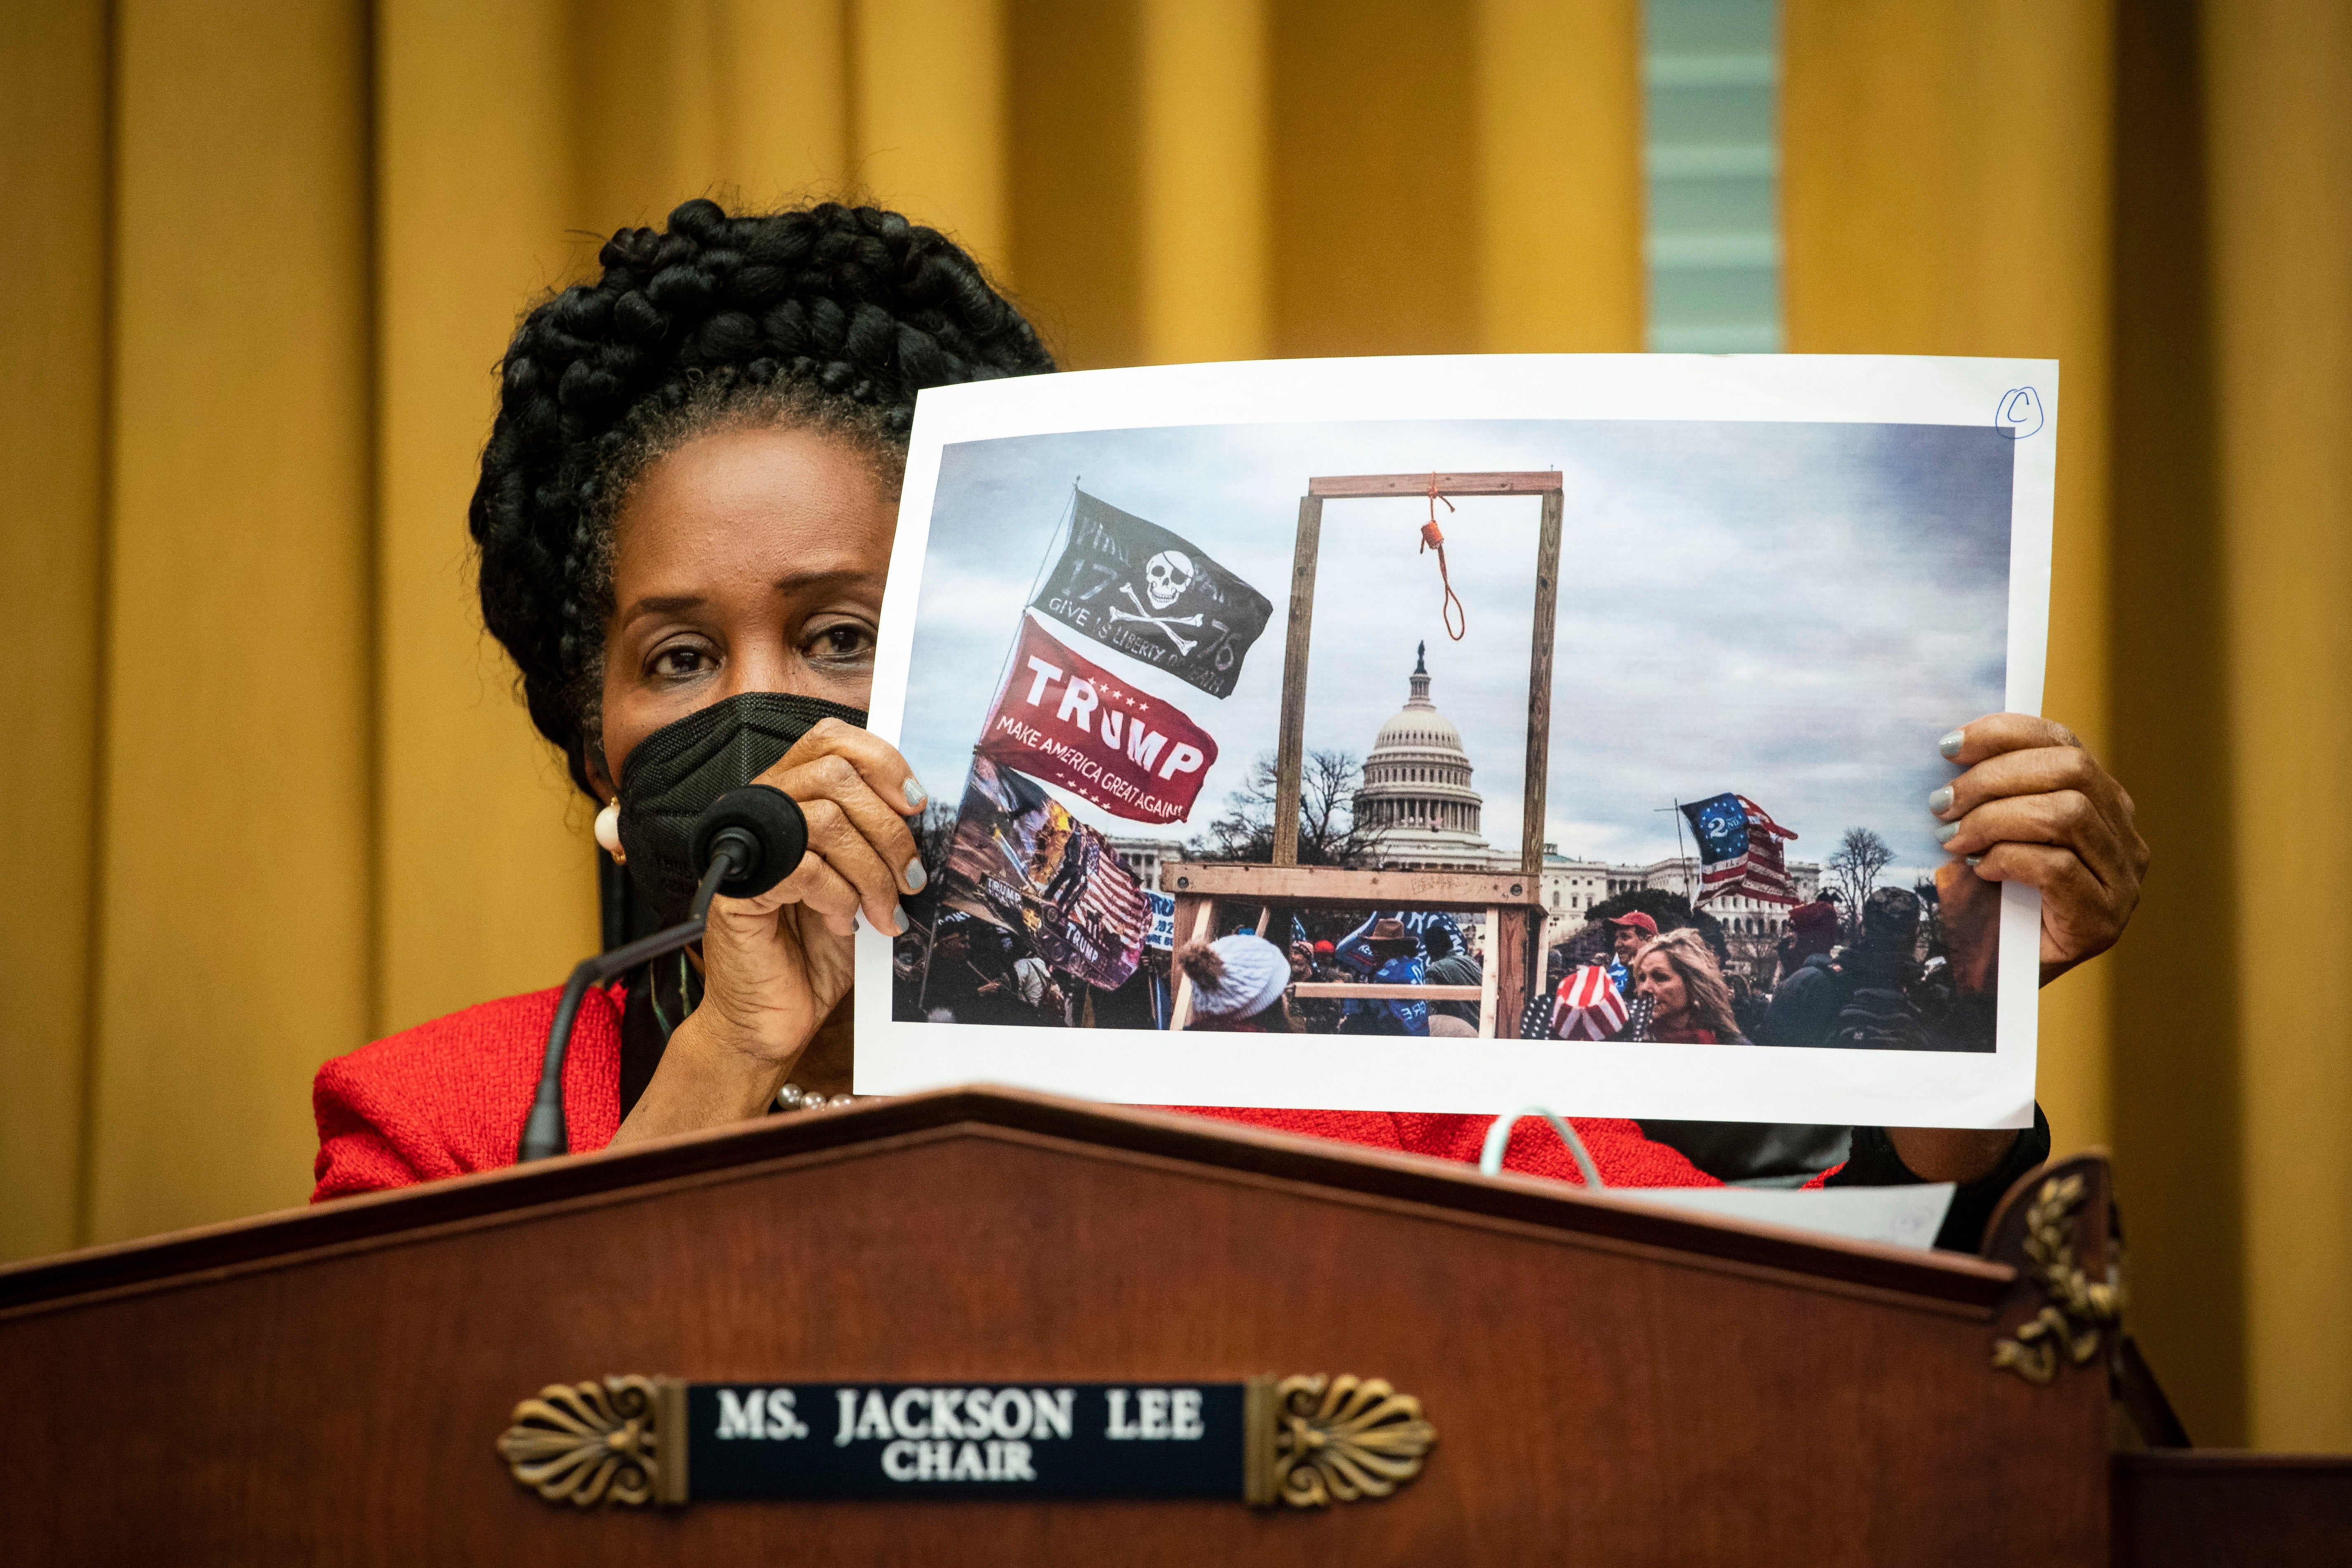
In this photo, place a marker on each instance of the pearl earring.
(608, 832)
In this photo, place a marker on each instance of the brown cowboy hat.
(1391, 937)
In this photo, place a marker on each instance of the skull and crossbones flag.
(1153, 595)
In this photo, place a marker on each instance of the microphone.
(759, 830)
(745, 842)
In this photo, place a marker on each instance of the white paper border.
(1356, 1072)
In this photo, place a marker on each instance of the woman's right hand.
(775, 966)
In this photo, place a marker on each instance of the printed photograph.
(1759, 631)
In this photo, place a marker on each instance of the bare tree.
(1855, 864)
(1326, 808)
(1245, 829)
(1327, 833)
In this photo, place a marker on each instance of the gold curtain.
(266, 792)
(2277, 78)
(2159, 193)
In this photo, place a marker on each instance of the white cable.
(1499, 1137)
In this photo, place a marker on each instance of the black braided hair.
(831, 317)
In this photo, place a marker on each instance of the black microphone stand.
(754, 837)
(544, 1135)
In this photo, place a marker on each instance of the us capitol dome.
(1416, 793)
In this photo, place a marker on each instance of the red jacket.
(449, 1097)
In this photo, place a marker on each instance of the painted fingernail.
(1946, 832)
(916, 875)
(916, 794)
(1973, 859)
(1940, 801)
(1950, 744)
(903, 922)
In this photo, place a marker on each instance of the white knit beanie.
(1249, 976)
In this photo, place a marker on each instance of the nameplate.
(1306, 1441)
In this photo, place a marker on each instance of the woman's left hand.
(2035, 807)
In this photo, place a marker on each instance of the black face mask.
(681, 768)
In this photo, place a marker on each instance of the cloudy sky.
(1793, 611)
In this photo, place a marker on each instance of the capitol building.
(1421, 811)
(1416, 796)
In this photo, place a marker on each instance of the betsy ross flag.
(1739, 851)
(1588, 1006)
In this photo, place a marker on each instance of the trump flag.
(1071, 722)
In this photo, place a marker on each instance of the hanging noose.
(1433, 537)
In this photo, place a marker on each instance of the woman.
(1692, 1005)
(1238, 985)
(683, 521)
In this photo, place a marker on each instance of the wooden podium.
(1609, 1382)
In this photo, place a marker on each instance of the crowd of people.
(1382, 952)
(1877, 980)
(1871, 980)
(967, 970)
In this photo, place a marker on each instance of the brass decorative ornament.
(588, 1443)
(2076, 1313)
(1339, 1438)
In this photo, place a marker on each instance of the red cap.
(1637, 920)
(1323, 947)
(1815, 916)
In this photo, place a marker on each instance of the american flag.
(1113, 900)
(1739, 851)
(1588, 1006)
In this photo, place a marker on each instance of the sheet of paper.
(1780, 580)
(1899, 1216)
